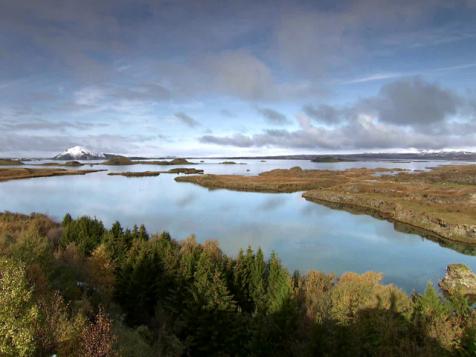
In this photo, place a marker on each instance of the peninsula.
(440, 202)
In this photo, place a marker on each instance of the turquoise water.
(305, 235)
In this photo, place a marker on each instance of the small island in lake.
(122, 160)
(135, 174)
(10, 162)
(7, 174)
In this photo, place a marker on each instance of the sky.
(224, 78)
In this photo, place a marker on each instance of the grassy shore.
(18, 173)
(119, 161)
(179, 170)
(8, 162)
(135, 174)
(184, 170)
(441, 201)
(68, 163)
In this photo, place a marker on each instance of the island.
(135, 174)
(122, 160)
(7, 174)
(73, 163)
(10, 162)
(184, 170)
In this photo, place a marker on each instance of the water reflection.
(304, 234)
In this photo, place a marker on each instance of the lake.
(305, 235)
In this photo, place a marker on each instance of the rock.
(459, 278)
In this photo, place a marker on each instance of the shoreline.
(440, 202)
(10, 174)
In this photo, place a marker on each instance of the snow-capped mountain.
(79, 153)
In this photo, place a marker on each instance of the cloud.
(227, 113)
(325, 113)
(46, 125)
(409, 113)
(413, 102)
(273, 117)
(241, 74)
(127, 63)
(187, 120)
(372, 78)
(238, 140)
(52, 144)
(364, 134)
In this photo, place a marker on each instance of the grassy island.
(184, 170)
(10, 162)
(67, 163)
(7, 174)
(331, 159)
(440, 201)
(77, 288)
(121, 160)
(135, 174)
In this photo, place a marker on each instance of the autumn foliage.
(81, 289)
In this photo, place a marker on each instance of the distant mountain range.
(79, 153)
(424, 155)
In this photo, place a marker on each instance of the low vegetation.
(80, 289)
(121, 160)
(184, 170)
(10, 162)
(135, 174)
(327, 158)
(67, 163)
(118, 160)
(19, 173)
(440, 202)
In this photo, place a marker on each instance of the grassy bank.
(441, 201)
(135, 174)
(7, 174)
(119, 161)
(8, 162)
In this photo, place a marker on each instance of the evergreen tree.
(142, 234)
(210, 315)
(85, 232)
(136, 289)
(278, 284)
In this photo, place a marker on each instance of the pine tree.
(278, 288)
(210, 316)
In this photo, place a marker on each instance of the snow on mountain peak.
(78, 153)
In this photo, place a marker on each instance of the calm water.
(305, 235)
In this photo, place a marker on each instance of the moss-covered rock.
(459, 279)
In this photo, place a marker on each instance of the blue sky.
(237, 77)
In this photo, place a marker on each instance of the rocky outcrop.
(459, 279)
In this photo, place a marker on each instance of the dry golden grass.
(126, 161)
(184, 170)
(18, 173)
(7, 162)
(135, 174)
(68, 163)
